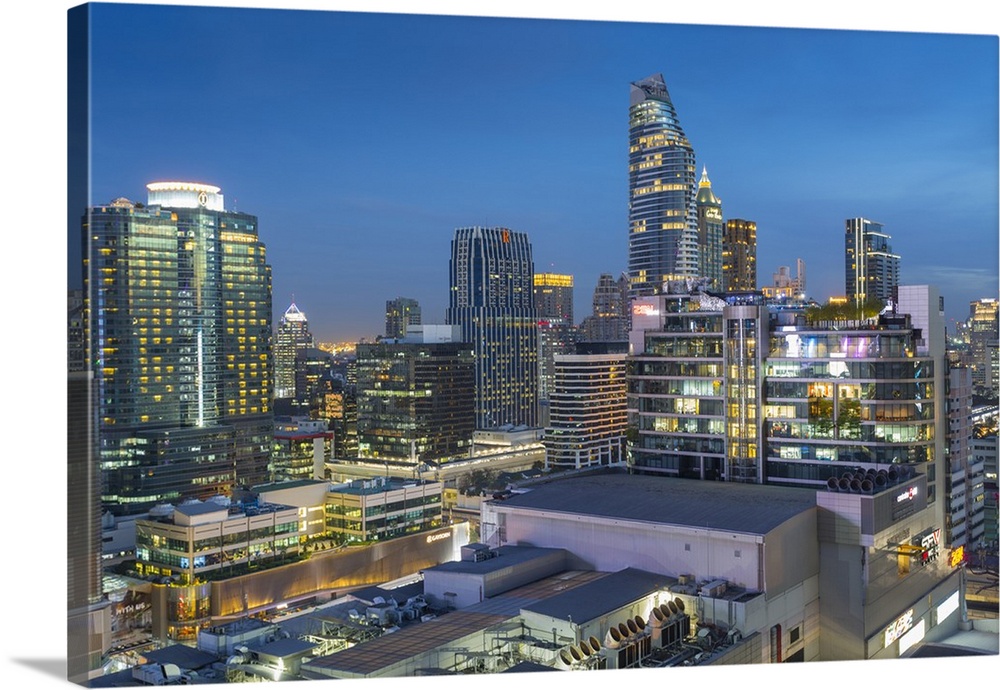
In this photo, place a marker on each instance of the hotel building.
(491, 300)
(178, 294)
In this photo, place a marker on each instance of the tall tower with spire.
(662, 217)
(710, 232)
(293, 335)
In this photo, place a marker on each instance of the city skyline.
(531, 133)
(38, 142)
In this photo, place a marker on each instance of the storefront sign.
(898, 627)
(956, 557)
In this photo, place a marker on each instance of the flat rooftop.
(506, 556)
(742, 508)
(600, 597)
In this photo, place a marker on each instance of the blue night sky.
(361, 141)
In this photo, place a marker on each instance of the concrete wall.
(610, 545)
(351, 567)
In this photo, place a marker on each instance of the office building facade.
(491, 300)
(739, 255)
(293, 335)
(662, 217)
(871, 268)
(401, 313)
(609, 321)
(179, 311)
(416, 400)
(587, 407)
(554, 296)
(984, 338)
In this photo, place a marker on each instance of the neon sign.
(898, 627)
(907, 495)
(431, 538)
(956, 557)
(645, 310)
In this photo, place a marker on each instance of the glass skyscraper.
(491, 299)
(293, 335)
(871, 269)
(663, 224)
(179, 314)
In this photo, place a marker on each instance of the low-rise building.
(190, 541)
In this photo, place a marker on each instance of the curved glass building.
(663, 222)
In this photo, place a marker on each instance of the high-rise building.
(739, 255)
(313, 367)
(179, 310)
(491, 281)
(293, 335)
(400, 313)
(554, 296)
(964, 490)
(710, 233)
(984, 338)
(871, 269)
(587, 412)
(416, 399)
(609, 321)
(557, 334)
(662, 218)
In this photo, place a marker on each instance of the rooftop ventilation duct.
(656, 618)
(613, 639)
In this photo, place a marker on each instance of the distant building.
(964, 489)
(400, 313)
(662, 217)
(609, 321)
(587, 412)
(416, 400)
(785, 286)
(553, 293)
(313, 368)
(557, 333)
(302, 447)
(872, 270)
(984, 337)
(293, 335)
(710, 233)
(739, 255)
(182, 358)
(491, 281)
